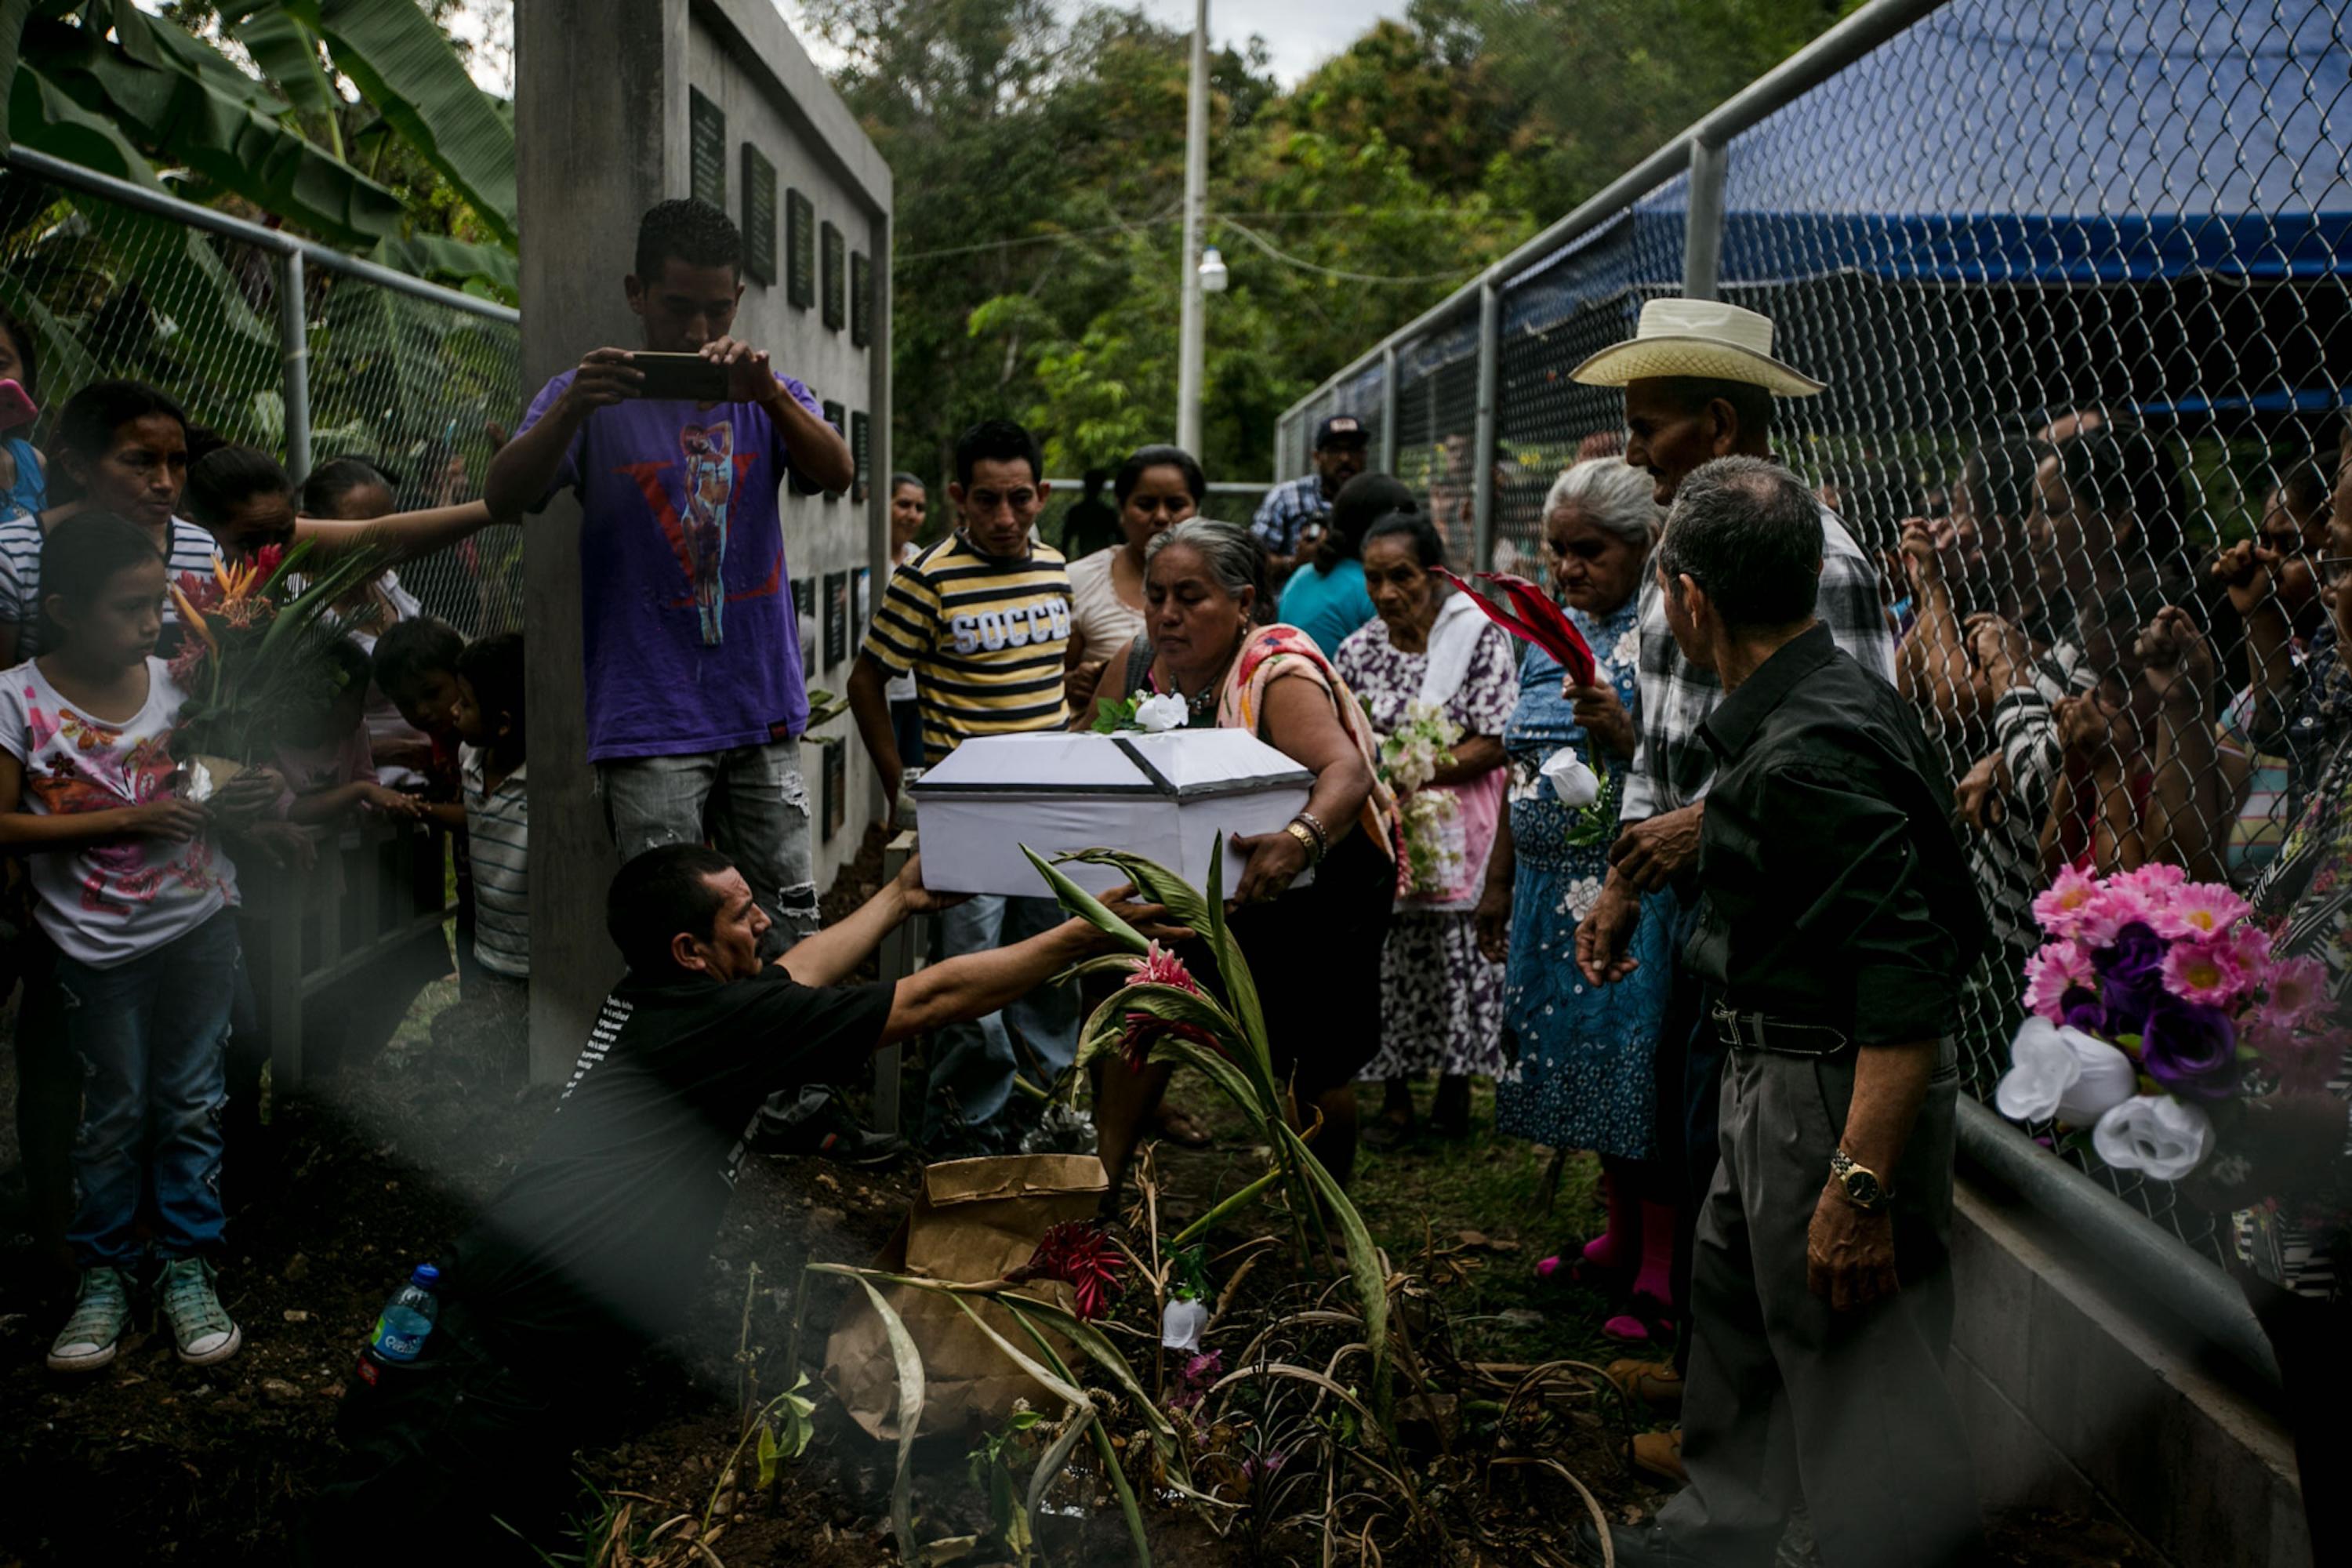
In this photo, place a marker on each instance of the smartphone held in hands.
(680, 377)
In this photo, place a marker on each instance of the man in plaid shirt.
(1699, 382)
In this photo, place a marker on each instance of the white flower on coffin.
(1180, 1323)
(1571, 781)
(2155, 1134)
(2061, 1072)
(1156, 714)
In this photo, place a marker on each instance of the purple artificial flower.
(2083, 1010)
(2131, 974)
(2191, 1049)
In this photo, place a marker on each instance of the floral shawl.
(1281, 651)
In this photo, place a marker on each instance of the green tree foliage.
(1039, 168)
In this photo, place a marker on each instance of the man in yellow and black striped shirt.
(983, 620)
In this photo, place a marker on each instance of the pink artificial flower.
(2295, 988)
(2200, 911)
(2060, 909)
(2059, 967)
(2111, 909)
(2156, 877)
(2204, 972)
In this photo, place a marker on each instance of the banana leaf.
(286, 52)
(187, 111)
(408, 71)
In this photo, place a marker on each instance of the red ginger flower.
(1160, 967)
(1080, 1255)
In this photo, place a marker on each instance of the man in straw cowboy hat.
(1700, 380)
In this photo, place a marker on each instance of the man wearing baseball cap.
(1341, 443)
(1700, 383)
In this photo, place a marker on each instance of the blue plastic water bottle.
(408, 1317)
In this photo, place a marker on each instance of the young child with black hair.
(137, 896)
(489, 718)
(329, 766)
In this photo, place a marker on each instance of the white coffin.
(1165, 797)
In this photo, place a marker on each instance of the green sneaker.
(101, 1310)
(200, 1324)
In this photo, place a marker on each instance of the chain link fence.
(114, 281)
(2079, 276)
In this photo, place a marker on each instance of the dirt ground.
(153, 1462)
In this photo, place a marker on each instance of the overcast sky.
(1299, 33)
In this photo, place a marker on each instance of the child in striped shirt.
(489, 718)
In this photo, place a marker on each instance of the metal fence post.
(294, 352)
(1387, 406)
(1703, 225)
(1482, 445)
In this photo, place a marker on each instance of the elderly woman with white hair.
(1584, 1052)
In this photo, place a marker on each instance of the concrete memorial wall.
(620, 104)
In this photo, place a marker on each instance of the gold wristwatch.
(1860, 1184)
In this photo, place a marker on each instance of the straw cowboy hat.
(1697, 337)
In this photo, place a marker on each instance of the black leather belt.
(1761, 1032)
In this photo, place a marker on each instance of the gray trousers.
(1787, 1400)
(751, 804)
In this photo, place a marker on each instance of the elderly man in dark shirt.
(1837, 920)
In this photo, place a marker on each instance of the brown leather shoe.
(1654, 1383)
(1658, 1456)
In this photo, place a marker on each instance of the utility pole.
(1190, 356)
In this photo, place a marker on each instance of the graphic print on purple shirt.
(688, 641)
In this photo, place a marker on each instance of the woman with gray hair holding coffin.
(1313, 951)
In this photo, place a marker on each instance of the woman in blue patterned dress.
(1584, 1052)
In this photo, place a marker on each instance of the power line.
(1267, 246)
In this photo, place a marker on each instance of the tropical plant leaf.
(1153, 880)
(220, 126)
(908, 1363)
(1363, 1259)
(1049, 1466)
(1111, 1467)
(1086, 906)
(486, 269)
(14, 14)
(1241, 987)
(286, 52)
(408, 71)
(1239, 1199)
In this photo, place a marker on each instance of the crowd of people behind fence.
(2097, 693)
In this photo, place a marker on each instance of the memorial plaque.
(838, 418)
(800, 250)
(836, 312)
(837, 618)
(759, 217)
(861, 448)
(861, 299)
(804, 614)
(706, 140)
(861, 596)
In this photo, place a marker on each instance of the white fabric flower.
(1570, 779)
(1582, 895)
(1180, 1323)
(2161, 1137)
(1629, 648)
(2061, 1072)
(1155, 714)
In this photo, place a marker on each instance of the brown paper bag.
(972, 1221)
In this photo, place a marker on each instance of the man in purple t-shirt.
(695, 702)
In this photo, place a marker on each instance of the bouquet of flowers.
(2155, 1001)
(1436, 855)
(1152, 715)
(252, 662)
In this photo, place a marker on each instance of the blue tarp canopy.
(2105, 142)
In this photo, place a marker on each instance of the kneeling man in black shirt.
(595, 1248)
